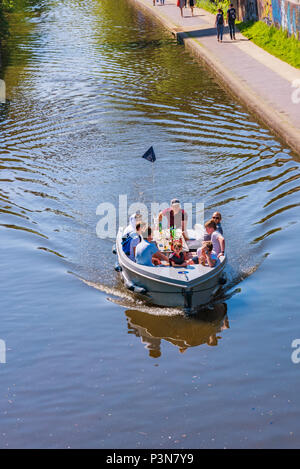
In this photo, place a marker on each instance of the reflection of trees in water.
(184, 332)
(140, 46)
(4, 110)
(17, 30)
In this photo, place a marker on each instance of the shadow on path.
(212, 31)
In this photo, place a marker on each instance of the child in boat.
(205, 255)
(177, 257)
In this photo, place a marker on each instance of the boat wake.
(154, 310)
(121, 296)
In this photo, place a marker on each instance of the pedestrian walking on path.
(220, 24)
(192, 4)
(180, 4)
(231, 17)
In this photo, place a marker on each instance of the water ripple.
(87, 96)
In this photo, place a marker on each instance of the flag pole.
(153, 183)
(150, 156)
(153, 193)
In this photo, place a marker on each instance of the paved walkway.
(265, 84)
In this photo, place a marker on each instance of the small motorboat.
(186, 287)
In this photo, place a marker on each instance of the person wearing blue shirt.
(146, 252)
(217, 217)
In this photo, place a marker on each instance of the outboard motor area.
(188, 294)
(223, 279)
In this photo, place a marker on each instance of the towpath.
(268, 86)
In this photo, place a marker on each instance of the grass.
(213, 6)
(273, 40)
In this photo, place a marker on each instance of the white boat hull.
(170, 286)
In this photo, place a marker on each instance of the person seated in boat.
(205, 255)
(177, 257)
(134, 218)
(135, 239)
(176, 217)
(146, 252)
(130, 231)
(216, 238)
(216, 217)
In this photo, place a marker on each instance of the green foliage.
(10, 6)
(213, 5)
(3, 20)
(7, 5)
(273, 40)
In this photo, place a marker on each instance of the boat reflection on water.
(182, 331)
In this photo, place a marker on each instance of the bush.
(213, 5)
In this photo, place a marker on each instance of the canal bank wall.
(268, 87)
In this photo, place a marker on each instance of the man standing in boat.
(176, 216)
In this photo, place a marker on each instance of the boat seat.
(194, 244)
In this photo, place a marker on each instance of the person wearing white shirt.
(135, 217)
(136, 238)
(216, 238)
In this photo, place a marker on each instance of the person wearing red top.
(177, 258)
(176, 216)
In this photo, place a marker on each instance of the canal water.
(90, 86)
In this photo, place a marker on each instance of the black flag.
(150, 155)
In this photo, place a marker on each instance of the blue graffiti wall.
(283, 14)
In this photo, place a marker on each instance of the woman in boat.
(216, 238)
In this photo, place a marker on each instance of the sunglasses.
(217, 218)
